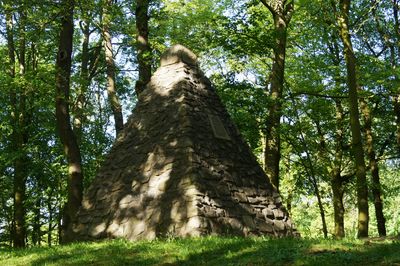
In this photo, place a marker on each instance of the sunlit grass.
(211, 251)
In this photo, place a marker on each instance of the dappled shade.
(180, 168)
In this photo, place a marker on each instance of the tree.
(20, 115)
(351, 64)
(110, 69)
(282, 13)
(337, 180)
(67, 136)
(142, 45)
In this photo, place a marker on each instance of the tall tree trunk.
(50, 223)
(351, 65)
(110, 69)
(84, 81)
(317, 192)
(144, 56)
(336, 178)
(281, 13)
(67, 136)
(396, 108)
(36, 232)
(394, 61)
(10, 43)
(373, 165)
(320, 206)
(19, 128)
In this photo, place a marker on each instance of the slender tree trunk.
(361, 184)
(321, 207)
(110, 69)
(373, 165)
(84, 82)
(20, 163)
(396, 108)
(394, 61)
(144, 56)
(317, 192)
(50, 223)
(377, 191)
(67, 136)
(336, 178)
(17, 232)
(308, 164)
(338, 207)
(37, 233)
(10, 43)
(19, 129)
(281, 15)
(19, 200)
(289, 202)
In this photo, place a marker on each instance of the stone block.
(254, 200)
(278, 214)
(249, 222)
(241, 197)
(136, 228)
(266, 227)
(235, 224)
(97, 230)
(268, 213)
(279, 225)
(86, 219)
(176, 54)
(278, 200)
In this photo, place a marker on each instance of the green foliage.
(234, 41)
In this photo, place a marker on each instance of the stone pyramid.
(180, 168)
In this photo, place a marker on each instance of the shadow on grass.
(248, 251)
(102, 253)
(215, 251)
(296, 252)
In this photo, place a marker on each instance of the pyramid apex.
(178, 53)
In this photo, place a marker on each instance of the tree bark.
(281, 14)
(317, 192)
(37, 232)
(396, 102)
(336, 178)
(351, 65)
(396, 108)
(321, 207)
(110, 69)
(67, 136)
(144, 56)
(50, 222)
(84, 81)
(373, 166)
(19, 135)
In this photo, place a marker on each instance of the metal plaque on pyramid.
(180, 168)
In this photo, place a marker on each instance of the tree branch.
(270, 8)
(316, 94)
(288, 10)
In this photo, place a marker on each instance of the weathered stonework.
(180, 168)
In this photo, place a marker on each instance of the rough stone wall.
(236, 197)
(181, 168)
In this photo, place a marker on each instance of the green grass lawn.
(211, 251)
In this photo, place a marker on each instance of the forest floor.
(212, 251)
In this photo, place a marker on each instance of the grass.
(211, 251)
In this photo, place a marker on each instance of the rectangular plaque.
(218, 127)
